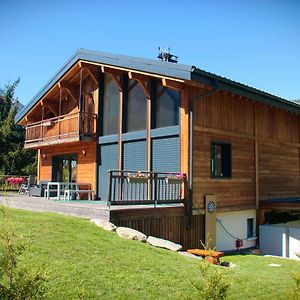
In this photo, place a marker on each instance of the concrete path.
(86, 209)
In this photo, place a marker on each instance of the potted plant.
(139, 177)
(175, 178)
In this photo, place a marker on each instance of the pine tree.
(14, 159)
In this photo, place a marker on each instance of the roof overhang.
(161, 69)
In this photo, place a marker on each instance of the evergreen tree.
(14, 159)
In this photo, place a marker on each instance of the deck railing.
(140, 187)
(61, 127)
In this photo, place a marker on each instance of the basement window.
(220, 160)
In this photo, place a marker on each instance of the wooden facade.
(264, 141)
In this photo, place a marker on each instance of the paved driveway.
(85, 209)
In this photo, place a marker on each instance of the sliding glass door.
(64, 168)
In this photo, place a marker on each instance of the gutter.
(215, 88)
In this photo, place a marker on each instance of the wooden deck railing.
(61, 127)
(136, 187)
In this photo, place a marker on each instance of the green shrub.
(17, 281)
(212, 284)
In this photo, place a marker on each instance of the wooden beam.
(143, 81)
(71, 89)
(115, 75)
(91, 70)
(52, 109)
(210, 221)
(119, 69)
(172, 84)
(184, 133)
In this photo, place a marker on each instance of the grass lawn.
(85, 262)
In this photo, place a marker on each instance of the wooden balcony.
(62, 129)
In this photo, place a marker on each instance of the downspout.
(215, 88)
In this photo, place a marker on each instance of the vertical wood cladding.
(278, 148)
(167, 225)
(86, 164)
(278, 171)
(237, 191)
(227, 118)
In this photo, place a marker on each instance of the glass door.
(64, 168)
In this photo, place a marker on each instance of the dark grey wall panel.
(166, 154)
(108, 160)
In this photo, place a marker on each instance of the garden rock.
(161, 243)
(131, 234)
(108, 226)
(190, 255)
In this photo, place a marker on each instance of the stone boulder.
(190, 255)
(131, 234)
(108, 226)
(161, 243)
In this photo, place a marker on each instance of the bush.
(17, 281)
(212, 285)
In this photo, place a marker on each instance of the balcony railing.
(136, 187)
(65, 128)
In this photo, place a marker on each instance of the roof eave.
(245, 91)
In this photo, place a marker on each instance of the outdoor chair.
(24, 188)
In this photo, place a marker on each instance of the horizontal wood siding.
(167, 225)
(86, 164)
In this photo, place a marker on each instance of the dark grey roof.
(174, 70)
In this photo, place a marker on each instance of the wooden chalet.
(188, 152)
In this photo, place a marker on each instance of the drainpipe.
(215, 88)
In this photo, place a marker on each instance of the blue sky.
(253, 42)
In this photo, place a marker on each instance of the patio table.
(58, 187)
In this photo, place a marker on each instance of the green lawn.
(85, 262)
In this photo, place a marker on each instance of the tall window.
(250, 228)
(110, 107)
(221, 160)
(136, 107)
(167, 107)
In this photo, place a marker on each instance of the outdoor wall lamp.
(44, 156)
(83, 152)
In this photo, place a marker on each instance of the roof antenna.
(165, 55)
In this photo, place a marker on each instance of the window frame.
(249, 221)
(225, 150)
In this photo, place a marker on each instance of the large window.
(64, 168)
(167, 107)
(136, 108)
(110, 107)
(221, 160)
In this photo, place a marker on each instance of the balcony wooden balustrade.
(62, 129)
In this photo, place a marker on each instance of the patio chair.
(24, 188)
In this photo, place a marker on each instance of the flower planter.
(173, 180)
(137, 179)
